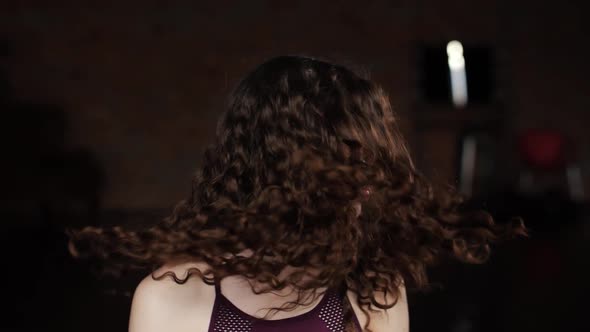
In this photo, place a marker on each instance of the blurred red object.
(543, 149)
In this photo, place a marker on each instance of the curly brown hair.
(300, 142)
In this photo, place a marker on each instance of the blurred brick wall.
(143, 82)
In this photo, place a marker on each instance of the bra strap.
(217, 287)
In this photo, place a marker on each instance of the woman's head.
(310, 103)
(299, 148)
(303, 147)
(293, 103)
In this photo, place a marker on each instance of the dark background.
(107, 106)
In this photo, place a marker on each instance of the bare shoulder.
(165, 305)
(395, 319)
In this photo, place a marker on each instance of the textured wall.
(142, 83)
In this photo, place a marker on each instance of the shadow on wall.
(46, 185)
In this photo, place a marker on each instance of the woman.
(307, 214)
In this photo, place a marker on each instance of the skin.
(167, 306)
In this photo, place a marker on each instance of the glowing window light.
(457, 71)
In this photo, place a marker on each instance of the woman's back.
(231, 305)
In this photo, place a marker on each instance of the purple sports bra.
(327, 316)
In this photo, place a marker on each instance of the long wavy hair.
(300, 143)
